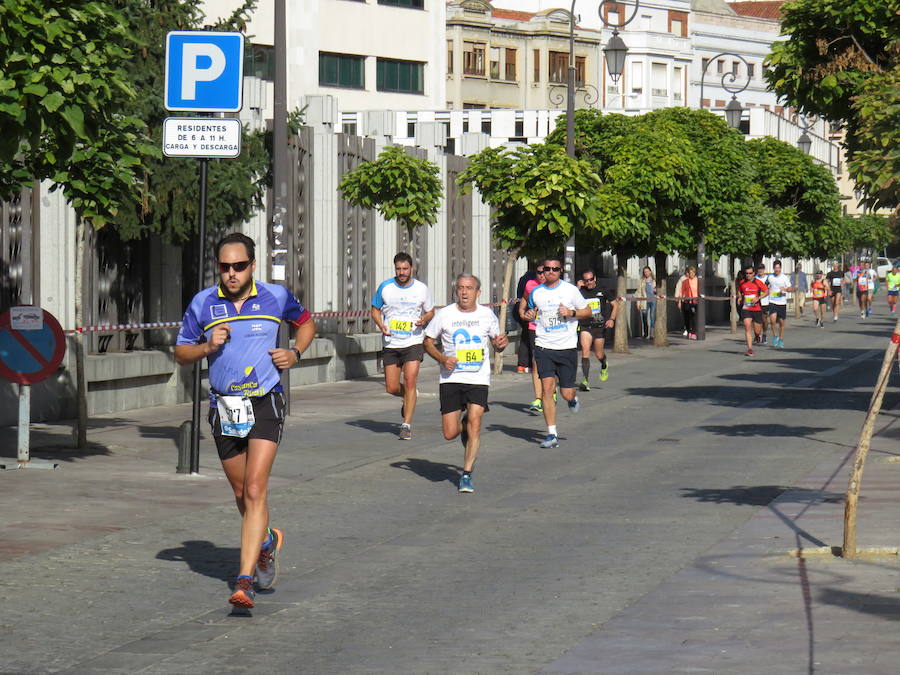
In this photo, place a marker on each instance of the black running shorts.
(558, 363)
(778, 311)
(391, 356)
(269, 413)
(756, 315)
(457, 396)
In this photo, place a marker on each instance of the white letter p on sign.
(191, 74)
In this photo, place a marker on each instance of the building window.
(410, 129)
(705, 64)
(349, 128)
(580, 67)
(536, 75)
(414, 4)
(449, 57)
(471, 106)
(259, 61)
(495, 63)
(406, 77)
(734, 67)
(510, 65)
(473, 58)
(341, 70)
(751, 70)
(677, 84)
(678, 22)
(559, 66)
(613, 11)
(720, 67)
(637, 77)
(658, 77)
(486, 125)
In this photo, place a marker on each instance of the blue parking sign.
(204, 71)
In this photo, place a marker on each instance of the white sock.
(551, 429)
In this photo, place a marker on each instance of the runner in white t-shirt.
(865, 289)
(555, 306)
(464, 330)
(402, 306)
(779, 287)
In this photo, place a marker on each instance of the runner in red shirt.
(750, 291)
(820, 298)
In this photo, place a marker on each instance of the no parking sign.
(32, 344)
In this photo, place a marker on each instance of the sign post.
(204, 73)
(32, 346)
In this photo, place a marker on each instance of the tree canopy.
(81, 86)
(63, 88)
(841, 61)
(400, 186)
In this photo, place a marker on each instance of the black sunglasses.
(239, 266)
(553, 269)
(591, 279)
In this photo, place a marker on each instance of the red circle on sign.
(48, 365)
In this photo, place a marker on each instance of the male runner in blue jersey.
(235, 326)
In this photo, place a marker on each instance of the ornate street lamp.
(615, 62)
(733, 112)
(804, 142)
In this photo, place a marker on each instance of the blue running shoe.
(465, 483)
(574, 406)
(550, 442)
(267, 564)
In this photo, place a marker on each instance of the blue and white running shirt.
(242, 366)
(401, 307)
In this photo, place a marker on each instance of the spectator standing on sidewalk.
(646, 302)
(235, 325)
(687, 297)
(801, 288)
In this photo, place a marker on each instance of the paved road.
(114, 564)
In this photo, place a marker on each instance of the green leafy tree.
(540, 196)
(400, 186)
(63, 105)
(869, 231)
(840, 61)
(801, 200)
(235, 186)
(669, 177)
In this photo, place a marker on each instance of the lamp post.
(733, 112)
(614, 52)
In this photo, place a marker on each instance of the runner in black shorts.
(835, 284)
(464, 330)
(268, 411)
(235, 326)
(598, 329)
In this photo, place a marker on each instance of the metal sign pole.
(201, 280)
(24, 452)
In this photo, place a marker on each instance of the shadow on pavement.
(767, 430)
(204, 557)
(436, 472)
(886, 607)
(760, 495)
(530, 435)
(784, 397)
(61, 453)
(377, 426)
(517, 407)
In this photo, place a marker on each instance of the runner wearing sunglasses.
(235, 326)
(556, 306)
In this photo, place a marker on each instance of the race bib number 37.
(235, 415)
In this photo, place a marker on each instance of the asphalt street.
(112, 563)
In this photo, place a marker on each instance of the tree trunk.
(862, 448)
(512, 256)
(78, 338)
(621, 341)
(733, 314)
(661, 331)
